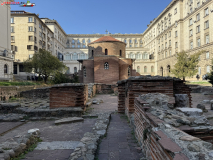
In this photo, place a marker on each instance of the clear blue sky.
(95, 16)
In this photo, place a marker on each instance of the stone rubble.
(87, 150)
(16, 145)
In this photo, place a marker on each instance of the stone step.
(69, 120)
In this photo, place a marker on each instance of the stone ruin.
(169, 131)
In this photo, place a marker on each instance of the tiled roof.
(106, 39)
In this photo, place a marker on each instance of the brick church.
(107, 62)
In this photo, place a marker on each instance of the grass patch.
(207, 83)
(29, 149)
(18, 83)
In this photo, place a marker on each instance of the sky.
(95, 16)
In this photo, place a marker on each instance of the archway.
(161, 71)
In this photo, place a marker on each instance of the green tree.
(210, 76)
(44, 64)
(186, 65)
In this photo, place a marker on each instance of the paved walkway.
(119, 144)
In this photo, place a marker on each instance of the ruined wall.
(134, 86)
(68, 95)
(7, 92)
(106, 88)
(36, 93)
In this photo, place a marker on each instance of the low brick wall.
(68, 95)
(161, 141)
(132, 87)
(6, 92)
(36, 93)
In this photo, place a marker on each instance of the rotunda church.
(107, 62)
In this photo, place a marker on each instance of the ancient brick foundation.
(161, 141)
(132, 87)
(68, 95)
(106, 88)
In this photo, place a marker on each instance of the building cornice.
(54, 21)
(101, 35)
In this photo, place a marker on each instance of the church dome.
(106, 39)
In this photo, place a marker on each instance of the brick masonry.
(68, 95)
(131, 88)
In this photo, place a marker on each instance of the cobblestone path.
(119, 144)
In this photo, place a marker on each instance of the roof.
(106, 39)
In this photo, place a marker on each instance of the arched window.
(75, 56)
(161, 70)
(106, 52)
(152, 69)
(138, 69)
(75, 69)
(129, 72)
(84, 71)
(68, 70)
(120, 52)
(106, 65)
(67, 57)
(5, 69)
(92, 53)
(145, 69)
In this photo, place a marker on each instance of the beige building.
(28, 33)
(182, 25)
(6, 54)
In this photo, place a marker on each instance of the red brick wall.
(89, 64)
(107, 76)
(152, 146)
(112, 47)
(69, 96)
(123, 68)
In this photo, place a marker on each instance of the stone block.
(181, 100)
(69, 120)
(191, 111)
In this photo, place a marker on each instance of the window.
(170, 52)
(199, 70)
(198, 29)
(5, 69)
(29, 46)
(152, 69)
(198, 16)
(125, 41)
(75, 69)
(190, 22)
(83, 41)
(120, 52)
(73, 41)
(88, 40)
(67, 57)
(165, 36)
(34, 20)
(79, 46)
(175, 11)
(35, 30)
(84, 71)
(136, 45)
(159, 41)
(191, 10)
(206, 24)
(198, 4)
(35, 39)
(176, 34)
(190, 33)
(73, 46)
(166, 45)
(30, 56)
(21, 68)
(198, 42)
(138, 69)
(12, 39)
(176, 44)
(106, 65)
(12, 29)
(169, 42)
(136, 41)
(129, 73)
(169, 33)
(35, 48)
(208, 69)
(106, 52)
(206, 12)
(168, 68)
(84, 46)
(207, 39)
(30, 19)
(145, 69)
(78, 41)
(166, 54)
(12, 20)
(130, 41)
(159, 48)
(82, 56)
(207, 55)
(75, 56)
(191, 45)
(130, 45)
(40, 34)
(30, 28)
(30, 38)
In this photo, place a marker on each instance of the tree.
(210, 76)
(186, 65)
(44, 64)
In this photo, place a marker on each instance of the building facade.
(6, 54)
(28, 34)
(182, 25)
